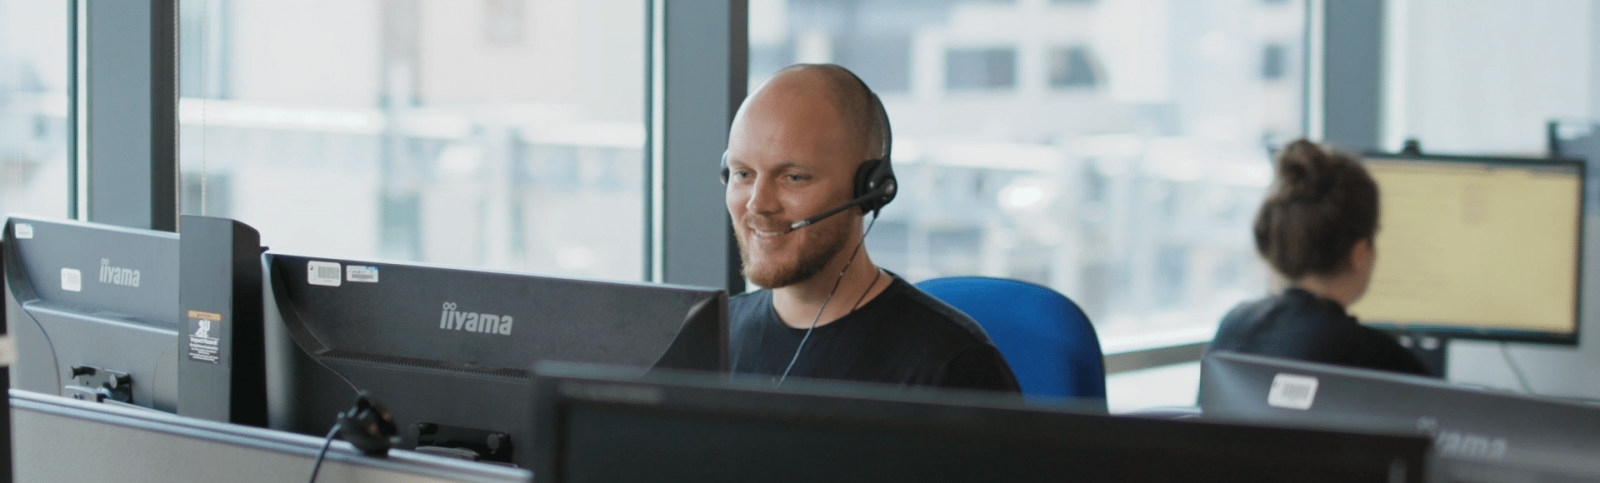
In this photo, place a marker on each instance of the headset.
(875, 184)
(367, 425)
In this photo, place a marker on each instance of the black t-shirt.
(903, 336)
(1300, 325)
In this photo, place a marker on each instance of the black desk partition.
(599, 425)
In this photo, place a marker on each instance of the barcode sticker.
(71, 280)
(8, 350)
(24, 231)
(323, 273)
(1290, 391)
(356, 273)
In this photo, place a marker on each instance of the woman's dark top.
(1298, 324)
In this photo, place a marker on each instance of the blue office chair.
(1046, 338)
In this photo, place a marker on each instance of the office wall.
(1474, 76)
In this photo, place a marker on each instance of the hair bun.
(1301, 173)
(1321, 203)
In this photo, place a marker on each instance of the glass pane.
(1113, 150)
(33, 108)
(491, 133)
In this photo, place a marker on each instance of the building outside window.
(980, 68)
(504, 134)
(1073, 67)
(1274, 62)
(33, 108)
(1113, 150)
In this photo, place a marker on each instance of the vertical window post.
(699, 53)
(1349, 83)
(128, 95)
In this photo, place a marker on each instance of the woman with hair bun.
(1316, 229)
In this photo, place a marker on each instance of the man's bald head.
(860, 115)
(794, 150)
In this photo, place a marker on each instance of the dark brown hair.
(1321, 203)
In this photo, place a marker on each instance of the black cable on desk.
(315, 467)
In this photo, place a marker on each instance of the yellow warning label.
(195, 314)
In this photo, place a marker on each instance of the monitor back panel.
(444, 347)
(1475, 431)
(85, 294)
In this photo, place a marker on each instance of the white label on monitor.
(356, 273)
(8, 350)
(71, 280)
(24, 231)
(1290, 391)
(323, 273)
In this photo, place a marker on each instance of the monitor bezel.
(1502, 335)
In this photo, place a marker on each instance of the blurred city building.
(1114, 150)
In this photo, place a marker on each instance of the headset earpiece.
(875, 176)
(724, 167)
(369, 426)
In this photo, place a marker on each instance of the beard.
(831, 238)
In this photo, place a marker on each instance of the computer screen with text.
(1476, 247)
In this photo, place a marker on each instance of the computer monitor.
(221, 368)
(1477, 247)
(449, 350)
(1476, 431)
(599, 425)
(93, 310)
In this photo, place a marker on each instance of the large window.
(33, 107)
(493, 133)
(1113, 150)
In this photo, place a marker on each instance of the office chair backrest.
(1048, 341)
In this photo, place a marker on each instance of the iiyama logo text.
(118, 275)
(450, 319)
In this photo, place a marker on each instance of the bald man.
(825, 310)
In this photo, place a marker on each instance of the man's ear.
(1363, 255)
